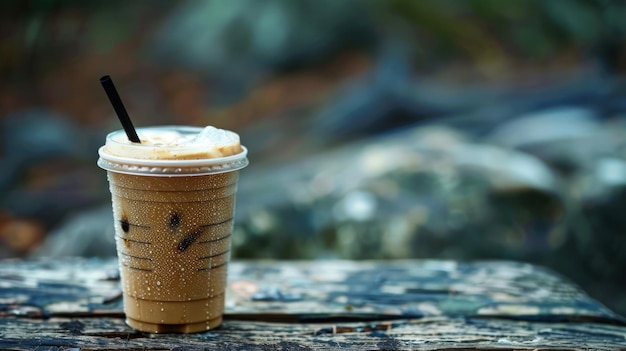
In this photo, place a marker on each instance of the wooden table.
(65, 304)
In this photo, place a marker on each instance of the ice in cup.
(173, 198)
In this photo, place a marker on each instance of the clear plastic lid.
(173, 151)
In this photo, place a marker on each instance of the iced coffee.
(173, 201)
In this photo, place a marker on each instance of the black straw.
(118, 106)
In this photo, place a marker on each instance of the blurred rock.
(421, 192)
(19, 236)
(556, 124)
(32, 136)
(607, 174)
(49, 163)
(566, 137)
(385, 98)
(88, 233)
(236, 43)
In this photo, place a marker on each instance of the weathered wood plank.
(400, 305)
(344, 289)
(430, 333)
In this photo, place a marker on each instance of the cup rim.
(172, 168)
(173, 162)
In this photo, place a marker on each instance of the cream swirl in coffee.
(167, 143)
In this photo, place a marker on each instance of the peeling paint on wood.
(326, 305)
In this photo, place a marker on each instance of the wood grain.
(326, 305)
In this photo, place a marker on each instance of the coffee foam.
(173, 151)
(175, 143)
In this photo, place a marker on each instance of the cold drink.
(173, 201)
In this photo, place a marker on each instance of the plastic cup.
(173, 226)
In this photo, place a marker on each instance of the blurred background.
(453, 129)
